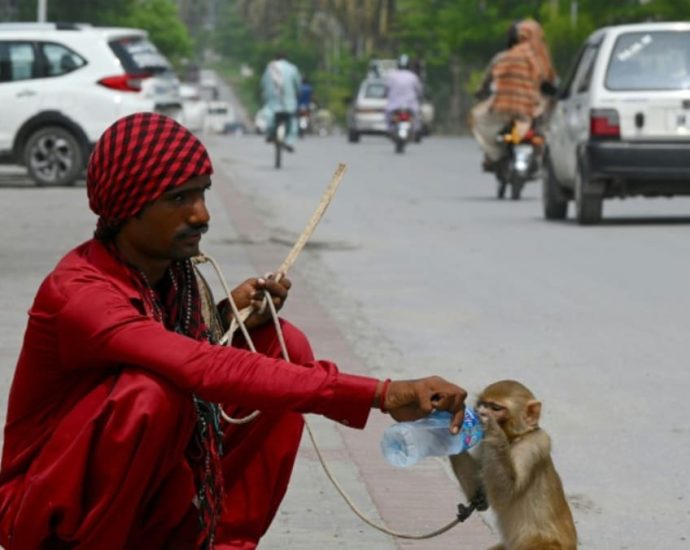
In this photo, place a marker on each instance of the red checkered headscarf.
(136, 160)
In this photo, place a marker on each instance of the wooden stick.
(326, 199)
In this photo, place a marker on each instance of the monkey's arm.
(466, 469)
(508, 469)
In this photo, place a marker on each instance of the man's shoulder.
(87, 266)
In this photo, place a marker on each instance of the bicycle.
(281, 123)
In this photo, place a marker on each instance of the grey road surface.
(428, 273)
(425, 272)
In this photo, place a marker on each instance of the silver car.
(621, 125)
(367, 114)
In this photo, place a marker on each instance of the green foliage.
(161, 20)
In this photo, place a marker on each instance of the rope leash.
(239, 316)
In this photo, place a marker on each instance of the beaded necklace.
(208, 434)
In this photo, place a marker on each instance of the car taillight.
(604, 123)
(124, 82)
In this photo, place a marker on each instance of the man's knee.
(298, 346)
(153, 398)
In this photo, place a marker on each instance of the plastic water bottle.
(406, 443)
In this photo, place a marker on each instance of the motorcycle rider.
(280, 85)
(404, 91)
(512, 88)
(305, 103)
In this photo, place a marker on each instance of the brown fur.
(517, 473)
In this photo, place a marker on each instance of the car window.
(658, 60)
(17, 61)
(60, 60)
(138, 55)
(568, 85)
(583, 77)
(375, 90)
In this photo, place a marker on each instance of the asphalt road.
(425, 272)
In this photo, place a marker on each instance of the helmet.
(404, 61)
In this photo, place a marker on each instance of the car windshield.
(375, 90)
(650, 61)
(138, 55)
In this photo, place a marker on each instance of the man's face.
(170, 228)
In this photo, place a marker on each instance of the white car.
(621, 124)
(219, 115)
(193, 107)
(62, 85)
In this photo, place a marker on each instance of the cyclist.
(280, 85)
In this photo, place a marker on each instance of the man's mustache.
(191, 231)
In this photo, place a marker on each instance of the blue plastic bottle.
(406, 443)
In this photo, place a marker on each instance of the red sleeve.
(98, 327)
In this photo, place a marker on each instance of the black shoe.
(288, 148)
(269, 138)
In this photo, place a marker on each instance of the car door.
(569, 125)
(20, 96)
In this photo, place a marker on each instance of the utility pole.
(573, 13)
(42, 8)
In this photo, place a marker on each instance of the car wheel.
(53, 156)
(588, 204)
(554, 201)
(353, 136)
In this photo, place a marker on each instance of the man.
(113, 437)
(404, 91)
(280, 86)
(511, 88)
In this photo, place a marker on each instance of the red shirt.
(89, 320)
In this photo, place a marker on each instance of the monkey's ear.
(533, 412)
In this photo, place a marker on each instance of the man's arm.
(99, 328)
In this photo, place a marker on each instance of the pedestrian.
(113, 436)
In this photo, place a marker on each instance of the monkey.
(515, 470)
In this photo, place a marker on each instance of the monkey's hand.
(414, 399)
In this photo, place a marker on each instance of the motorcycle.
(304, 125)
(520, 162)
(402, 128)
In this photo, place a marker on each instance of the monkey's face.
(497, 410)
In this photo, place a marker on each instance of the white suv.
(62, 85)
(621, 125)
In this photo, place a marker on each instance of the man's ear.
(532, 412)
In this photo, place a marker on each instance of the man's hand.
(251, 292)
(415, 399)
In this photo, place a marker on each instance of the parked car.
(367, 113)
(621, 124)
(219, 116)
(62, 85)
(193, 107)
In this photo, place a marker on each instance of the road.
(423, 271)
(428, 273)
